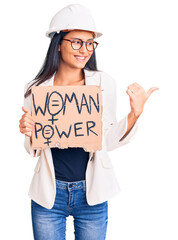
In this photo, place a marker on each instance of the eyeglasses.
(77, 44)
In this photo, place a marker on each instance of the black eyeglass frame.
(81, 44)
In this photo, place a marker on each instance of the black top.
(70, 163)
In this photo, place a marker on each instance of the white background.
(140, 44)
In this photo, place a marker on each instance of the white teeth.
(82, 58)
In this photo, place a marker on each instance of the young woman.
(71, 181)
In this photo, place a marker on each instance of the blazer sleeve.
(27, 142)
(114, 130)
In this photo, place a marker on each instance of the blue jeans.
(90, 222)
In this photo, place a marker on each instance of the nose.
(83, 48)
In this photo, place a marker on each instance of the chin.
(79, 66)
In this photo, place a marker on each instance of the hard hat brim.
(50, 33)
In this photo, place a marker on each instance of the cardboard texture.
(67, 116)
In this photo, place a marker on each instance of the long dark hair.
(52, 62)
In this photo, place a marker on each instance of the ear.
(59, 48)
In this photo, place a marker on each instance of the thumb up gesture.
(138, 97)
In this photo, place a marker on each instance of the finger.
(27, 113)
(136, 84)
(133, 88)
(25, 121)
(26, 124)
(26, 110)
(29, 119)
(26, 129)
(29, 134)
(150, 91)
(25, 132)
(130, 93)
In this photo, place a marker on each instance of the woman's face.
(75, 58)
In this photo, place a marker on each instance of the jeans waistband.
(71, 185)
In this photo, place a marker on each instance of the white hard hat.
(73, 16)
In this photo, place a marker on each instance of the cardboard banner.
(67, 116)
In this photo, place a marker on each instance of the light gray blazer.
(101, 181)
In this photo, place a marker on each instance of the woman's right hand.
(26, 123)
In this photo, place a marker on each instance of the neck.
(67, 75)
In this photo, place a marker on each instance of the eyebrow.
(81, 39)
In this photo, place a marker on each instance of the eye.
(89, 43)
(76, 42)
